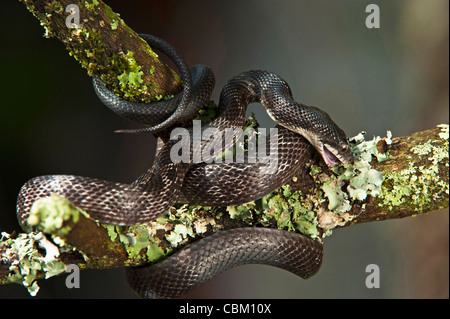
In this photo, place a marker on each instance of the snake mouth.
(330, 155)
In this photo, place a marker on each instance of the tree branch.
(391, 178)
(105, 46)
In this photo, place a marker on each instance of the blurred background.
(392, 78)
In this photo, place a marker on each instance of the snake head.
(340, 152)
(328, 139)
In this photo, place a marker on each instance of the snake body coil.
(300, 128)
(198, 263)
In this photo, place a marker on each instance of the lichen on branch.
(416, 177)
(105, 46)
(391, 177)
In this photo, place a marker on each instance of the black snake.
(207, 183)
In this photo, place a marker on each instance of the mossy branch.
(391, 178)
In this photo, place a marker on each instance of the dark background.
(393, 78)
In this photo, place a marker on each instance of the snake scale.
(300, 128)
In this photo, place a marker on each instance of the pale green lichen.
(338, 200)
(314, 170)
(179, 233)
(416, 184)
(91, 6)
(54, 6)
(47, 215)
(140, 237)
(180, 225)
(362, 178)
(314, 216)
(114, 24)
(352, 182)
(131, 83)
(243, 212)
(282, 207)
(364, 150)
(29, 261)
(187, 222)
(50, 213)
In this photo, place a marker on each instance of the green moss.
(138, 238)
(131, 84)
(139, 242)
(29, 261)
(314, 170)
(208, 112)
(292, 212)
(419, 185)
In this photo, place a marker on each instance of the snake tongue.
(329, 158)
